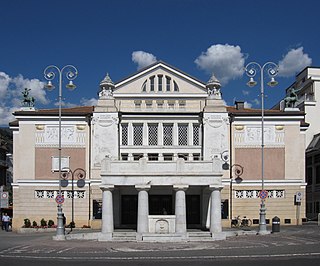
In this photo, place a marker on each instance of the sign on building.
(4, 201)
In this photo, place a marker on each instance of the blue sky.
(119, 36)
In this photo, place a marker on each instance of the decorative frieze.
(52, 194)
(254, 194)
(251, 135)
(71, 136)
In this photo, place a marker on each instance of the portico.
(148, 179)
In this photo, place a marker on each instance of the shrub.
(27, 223)
(43, 222)
(50, 223)
(34, 224)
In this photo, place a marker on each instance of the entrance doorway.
(193, 211)
(129, 211)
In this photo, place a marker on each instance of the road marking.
(266, 256)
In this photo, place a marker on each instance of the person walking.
(6, 221)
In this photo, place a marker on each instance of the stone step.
(124, 236)
(199, 236)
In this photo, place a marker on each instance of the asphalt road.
(294, 245)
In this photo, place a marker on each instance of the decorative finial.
(213, 86)
(106, 88)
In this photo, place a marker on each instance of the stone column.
(143, 210)
(215, 213)
(180, 209)
(107, 213)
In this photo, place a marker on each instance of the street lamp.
(237, 170)
(50, 73)
(272, 70)
(80, 175)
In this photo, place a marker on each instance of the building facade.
(307, 87)
(159, 150)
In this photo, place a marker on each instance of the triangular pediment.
(159, 79)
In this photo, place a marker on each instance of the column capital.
(142, 187)
(180, 187)
(215, 187)
(107, 187)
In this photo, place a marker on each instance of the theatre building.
(159, 151)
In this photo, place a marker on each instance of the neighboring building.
(307, 87)
(156, 151)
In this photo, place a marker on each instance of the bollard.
(275, 224)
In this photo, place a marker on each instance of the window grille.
(182, 135)
(152, 134)
(138, 134)
(167, 135)
(124, 138)
(196, 134)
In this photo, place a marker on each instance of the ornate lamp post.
(237, 170)
(251, 70)
(80, 174)
(50, 73)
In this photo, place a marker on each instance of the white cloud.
(11, 94)
(245, 92)
(143, 59)
(247, 105)
(4, 84)
(89, 102)
(36, 88)
(293, 62)
(225, 61)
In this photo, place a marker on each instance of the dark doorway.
(129, 210)
(160, 205)
(193, 211)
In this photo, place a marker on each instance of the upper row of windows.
(160, 83)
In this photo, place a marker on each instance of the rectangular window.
(124, 137)
(183, 134)
(196, 156)
(168, 157)
(160, 83)
(124, 156)
(138, 134)
(196, 134)
(168, 87)
(137, 156)
(184, 156)
(65, 162)
(153, 134)
(152, 83)
(153, 156)
(167, 135)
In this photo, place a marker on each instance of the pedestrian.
(5, 221)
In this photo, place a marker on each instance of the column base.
(105, 237)
(219, 236)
